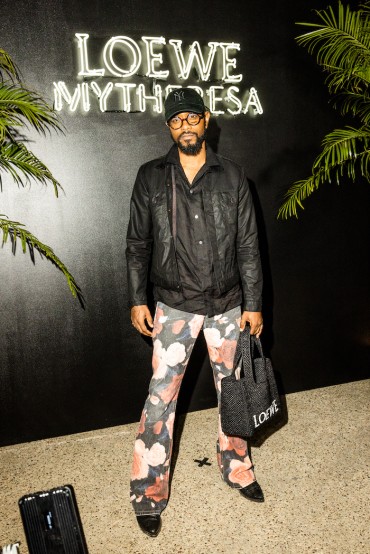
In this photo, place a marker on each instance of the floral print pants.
(174, 335)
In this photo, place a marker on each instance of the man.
(192, 224)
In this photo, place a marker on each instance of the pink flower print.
(157, 351)
(170, 423)
(240, 473)
(220, 318)
(219, 378)
(213, 337)
(227, 352)
(158, 361)
(157, 427)
(247, 460)
(142, 423)
(154, 399)
(139, 447)
(229, 328)
(177, 326)
(238, 444)
(172, 389)
(157, 324)
(214, 354)
(175, 354)
(195, 325)
(159, 490)
(224, 441)
(140, 467)
(156, 455)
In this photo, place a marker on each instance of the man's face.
(189, 138)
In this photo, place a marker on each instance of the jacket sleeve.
(247, 250)
(139, 242)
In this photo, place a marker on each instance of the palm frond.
(7, 66)
(355, 80)
(344, 150)
(341, 43)
(365, 8)
(23, 165)
(16, 232)
(19, 106)
(356, 104)
(341, 149)
(340, 40)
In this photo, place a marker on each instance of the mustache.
(187, 133)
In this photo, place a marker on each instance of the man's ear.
(207, 115)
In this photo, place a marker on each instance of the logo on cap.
(178, 96)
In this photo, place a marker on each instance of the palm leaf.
(23, 165)
(16, 231)
(340, 147)
(7, 66)
(344, 150)
(356, 104)
(338, 41)
(354, 80)
(19, 106)
(341, 43)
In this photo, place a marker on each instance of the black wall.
(64, 369)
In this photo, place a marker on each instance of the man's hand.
(140, 314)
(255, 321)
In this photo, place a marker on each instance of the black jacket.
(231, 227)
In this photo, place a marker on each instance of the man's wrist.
(132, 304)
(254, 307)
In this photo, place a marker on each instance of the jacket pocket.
(227, 199)
(160, 221)
(228, 204)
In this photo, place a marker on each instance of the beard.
(191, 149)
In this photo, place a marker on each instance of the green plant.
(342, 46)
(19, 108)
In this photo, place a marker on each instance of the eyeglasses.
(192, 118)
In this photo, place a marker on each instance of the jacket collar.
(172, 157)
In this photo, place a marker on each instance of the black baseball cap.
(183, 100)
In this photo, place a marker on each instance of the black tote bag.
(249, 396)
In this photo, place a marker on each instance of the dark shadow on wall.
(268, 290)
(268, 287)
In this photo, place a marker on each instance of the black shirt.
(200, 294)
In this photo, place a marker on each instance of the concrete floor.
(314, 472)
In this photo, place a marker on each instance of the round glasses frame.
(177, 122)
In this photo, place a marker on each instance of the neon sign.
(124, 58)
